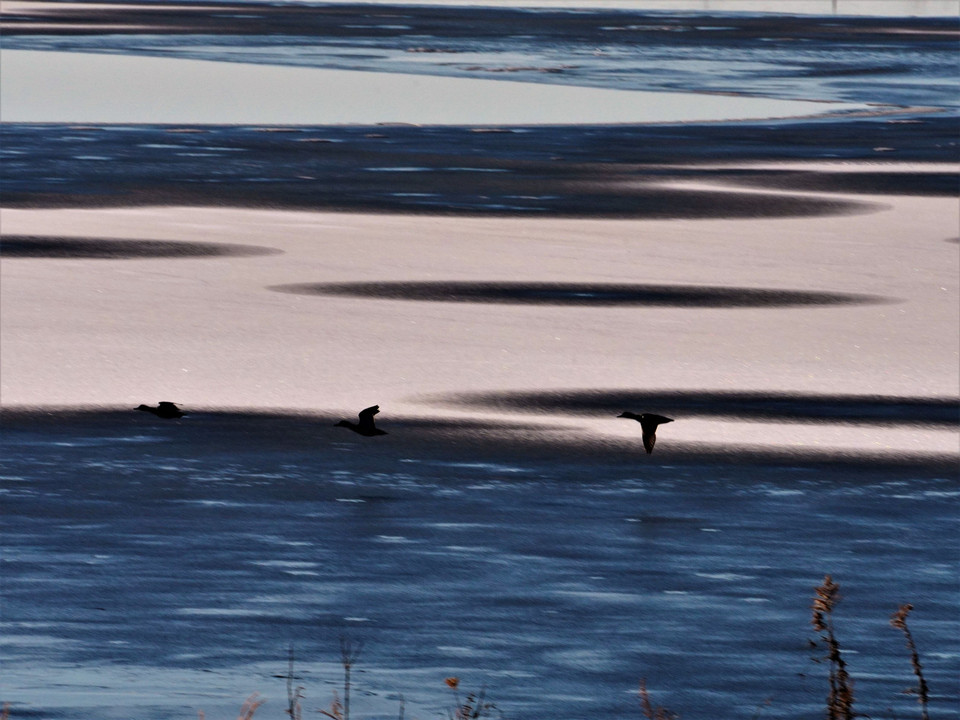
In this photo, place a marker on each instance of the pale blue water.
(151, 570)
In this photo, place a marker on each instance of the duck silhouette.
(648, 423)
(166, 410)
(366, 425)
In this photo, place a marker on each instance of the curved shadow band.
(750, 406)
(443, 440)
(600, 295)
(35, 246)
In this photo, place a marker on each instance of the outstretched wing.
(649, 421)
(366, 417)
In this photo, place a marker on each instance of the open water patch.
(559, 171)
(877, 182)
(599, 295)
(53, 247)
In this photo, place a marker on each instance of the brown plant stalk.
(294, 694)
(651, 711)
(349, 654)
(899, 621)
(250, 706)
(840, 698)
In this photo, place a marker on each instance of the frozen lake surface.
(154, 568)
(101, 88)
(817, 7)
(295, 63)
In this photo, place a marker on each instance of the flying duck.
(166, 410)
(366, 425)
(648, 422)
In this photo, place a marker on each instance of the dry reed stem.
(473, 706)
(249, 707)
(649, 710)
(840, 699)
(454, 684)
(349, 654)
(294, 694)
(922, 691)
(336, 708)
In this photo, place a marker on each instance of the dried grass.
(651, 711)
(899, 621)
(294, 694)
(473, 705)
(840, 699)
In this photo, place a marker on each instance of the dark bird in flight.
(648, 422)
(165, 410)
(366, 425)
